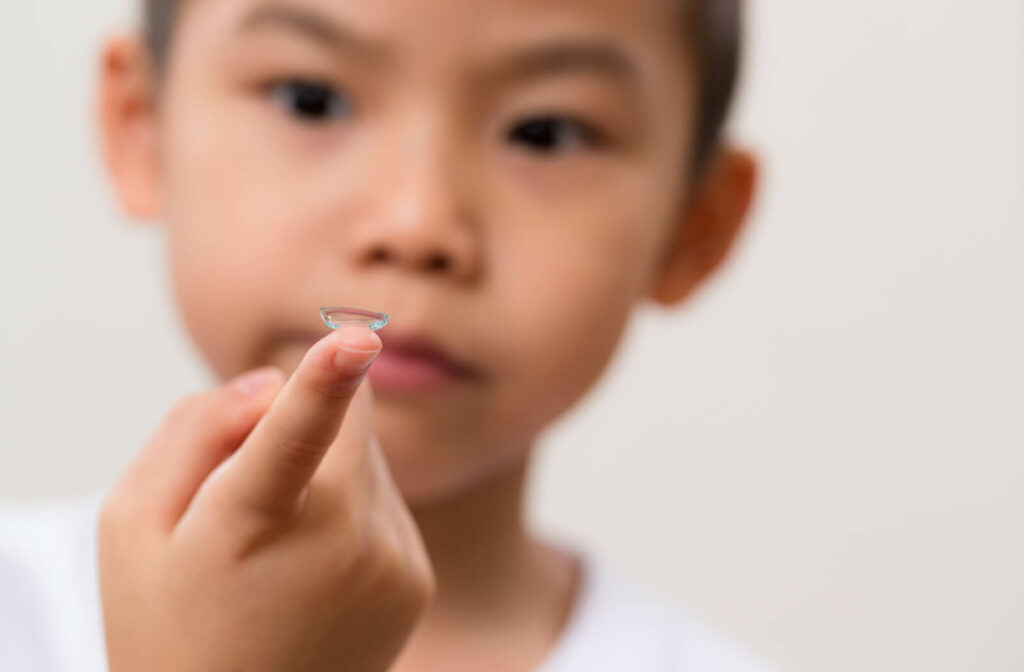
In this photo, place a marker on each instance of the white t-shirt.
(51, 619)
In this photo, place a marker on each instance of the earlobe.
(710, 227)
(127, 125)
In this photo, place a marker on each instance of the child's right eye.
(310, 101)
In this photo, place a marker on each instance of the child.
(505, 179)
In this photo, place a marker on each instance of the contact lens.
(335, 316)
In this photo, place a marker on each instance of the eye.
(552, 134)
(310, 101)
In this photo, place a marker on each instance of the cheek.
(217, 314)
(569, 293)
(232, 237)
(570, 329)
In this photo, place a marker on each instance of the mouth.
(413, 363)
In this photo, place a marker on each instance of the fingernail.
(252, 382)
(357, 348)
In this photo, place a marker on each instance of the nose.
(423, 220)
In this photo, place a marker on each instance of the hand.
(292, 551)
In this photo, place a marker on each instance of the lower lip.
(400, 373)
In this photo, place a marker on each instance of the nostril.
(437, 262)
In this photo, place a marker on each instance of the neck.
(477, 542)
(501, 595)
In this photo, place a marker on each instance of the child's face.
(507, 177)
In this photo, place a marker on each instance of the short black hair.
(714, 35)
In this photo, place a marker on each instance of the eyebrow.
(313, 25)
(568, 56)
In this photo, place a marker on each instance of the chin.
(422, 475)
(428, 474)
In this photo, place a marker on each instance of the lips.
(413, 363)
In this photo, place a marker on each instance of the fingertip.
(354, 349)
(252, 383)
(357, 339)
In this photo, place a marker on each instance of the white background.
(822, 454)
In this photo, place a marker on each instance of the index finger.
(277, 460)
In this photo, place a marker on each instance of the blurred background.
(822, 454)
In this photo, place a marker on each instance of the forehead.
(454, 34)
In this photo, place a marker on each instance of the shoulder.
(27, 524)
(618, 625)
(49, 596)
(41, 537)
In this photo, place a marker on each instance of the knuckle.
(420, 584)
(296, 452)
(401, 565)
(190, 402)
(212, 409)
(423, 590)
(350, 565)
(361, 540)
(422, 574)
(367, 547)
(182, 410)
(392, 556)
(214, 413)
(335, 389)
(205, 416)
(369, 556)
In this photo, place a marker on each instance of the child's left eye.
(552, 134)
(310, 101)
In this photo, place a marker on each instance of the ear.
(126, 110)
(709, 227)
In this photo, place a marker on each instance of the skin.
(546, 248)
(258, 531)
